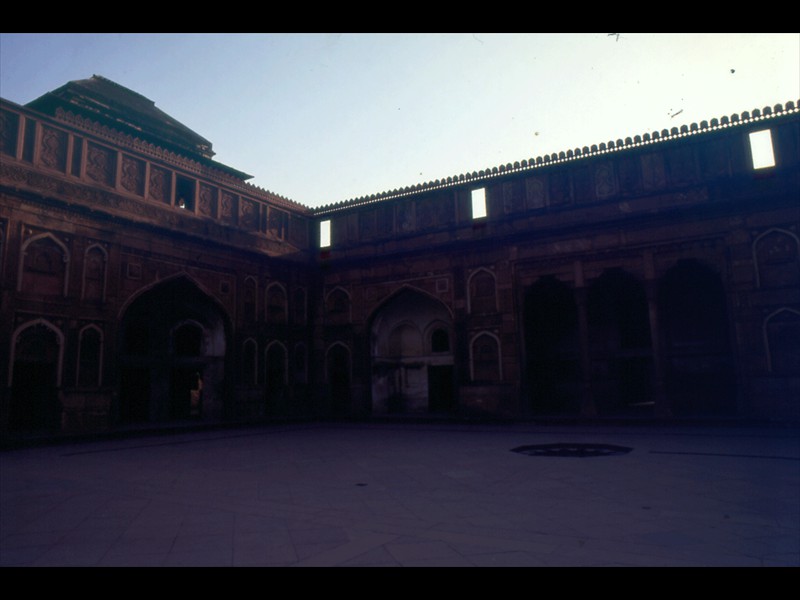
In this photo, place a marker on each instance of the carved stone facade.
(144, 282)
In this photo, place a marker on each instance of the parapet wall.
(647, 173)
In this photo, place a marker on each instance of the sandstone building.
(142, 281)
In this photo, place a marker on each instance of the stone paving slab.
(420, 495)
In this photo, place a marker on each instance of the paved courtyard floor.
(384, 495)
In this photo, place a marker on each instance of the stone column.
(662, 408)
(588, 408)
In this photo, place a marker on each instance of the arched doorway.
(172, 358)
(619, 343)
(35, 378)
(699, 368)
(412, 356)
(553, 347)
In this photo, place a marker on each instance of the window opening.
(761, 149)
(325, 234)
(184, 192)
(479, 203)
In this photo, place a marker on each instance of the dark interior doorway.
(699, 367)
(172, 359)
(441, 389)
(620, 344)
(34, 392)
(553, 351)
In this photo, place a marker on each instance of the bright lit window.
(479, 203)
(761, 149)
(325, 234)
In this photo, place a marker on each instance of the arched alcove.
(44, 266)
(619, 342)
(694, 324)
(412, 355)
(553, 372)
(36, 362)
(174, 340)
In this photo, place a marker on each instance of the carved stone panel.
(100, 164)
(207, 201)
(227, 207)
(405, 216)
(54, 149)
(298, 231)
(386, 219)
(629, 175)
(715, 157)
(426, 212)
(249, 215)
(605, 182)
(653, 172)
(583, 184)
(132, 178)
(681, 165)
(535, 193)
(560, 189)
(278, 223)
(160, 185)
(366, 224)
(513, 199)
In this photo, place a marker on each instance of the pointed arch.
(693, 314)
(403, 290)
(24, 327)
(438, 337)
(35, 370)
(776, 258)
(181, 278)
(44, 265)
(276, 303)
(781, 331)
(330, 353)
(276, 361)
(338, 306)
(482, 287)
(95, 271)
(552, 346)
(485, 359)
(173, 340)
(187, 337)
(407, 375)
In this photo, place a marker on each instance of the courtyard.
(409, 494)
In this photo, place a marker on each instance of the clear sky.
(321, 118)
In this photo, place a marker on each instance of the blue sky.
(321, 118)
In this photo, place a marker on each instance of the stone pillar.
(588, 408)
(662, 408)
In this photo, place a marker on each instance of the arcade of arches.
(593, 350)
